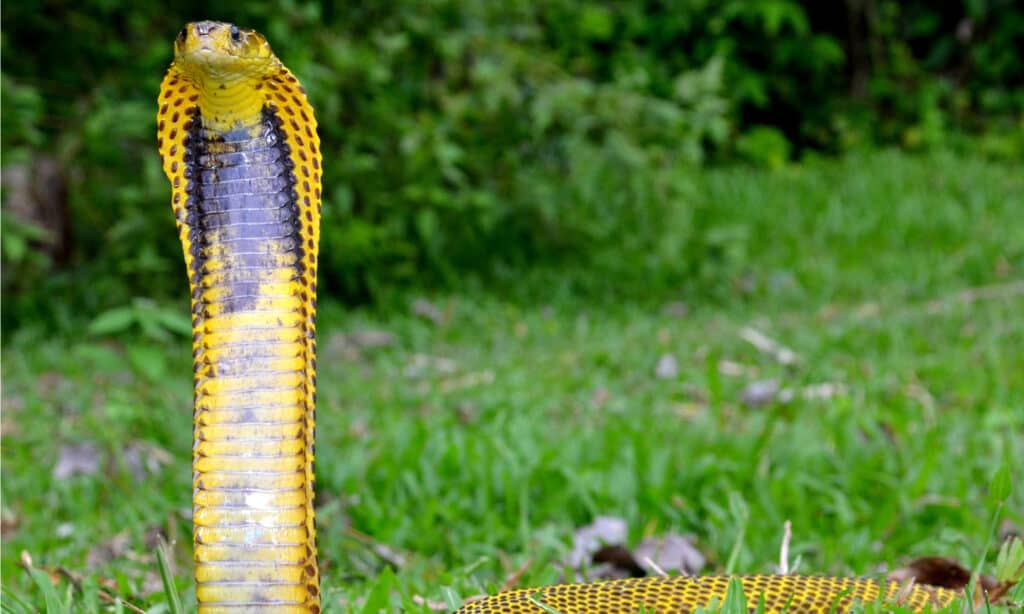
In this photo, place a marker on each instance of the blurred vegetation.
(466, 141)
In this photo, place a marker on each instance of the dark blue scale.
(241, 197)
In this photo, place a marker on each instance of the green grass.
(531, 415)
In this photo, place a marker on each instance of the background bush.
(470, 141)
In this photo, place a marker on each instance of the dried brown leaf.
(939, 571)
(436, 606)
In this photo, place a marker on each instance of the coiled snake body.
(239, 144)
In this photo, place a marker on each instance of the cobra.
(238, 141)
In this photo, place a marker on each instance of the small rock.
(669, 553)
(77, 459)
(667, 367)
(760, 393)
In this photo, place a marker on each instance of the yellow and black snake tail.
(239, 145)
(680, 594)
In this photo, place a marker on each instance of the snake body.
(238, 141)
(239, 145)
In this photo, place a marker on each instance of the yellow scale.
(254, 305)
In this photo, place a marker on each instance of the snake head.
(217, 51)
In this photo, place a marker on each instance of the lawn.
(466, 439)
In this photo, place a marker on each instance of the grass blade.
(163, 561)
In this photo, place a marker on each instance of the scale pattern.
(240, 148)
(664, 595)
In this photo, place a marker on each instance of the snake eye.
(235, 34)
(182, 35)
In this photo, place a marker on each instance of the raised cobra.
(239, 145)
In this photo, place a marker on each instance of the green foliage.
(471, 142)
(154, 320)
(164, 555)
(764, 146)
(1010, 561)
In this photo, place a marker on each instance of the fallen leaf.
(437, 606)
(688, 410)
(370, 338)
(9, 522)
(340, 347)
(730, 368)
(421, 365)
(468, 380)
(780, 353)
(9, 407)
(613, 562)
(428, 311)
(512, 581)
(939, 571)
(350, 346)
(393, 557)
(466, 412)
(822, 392)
